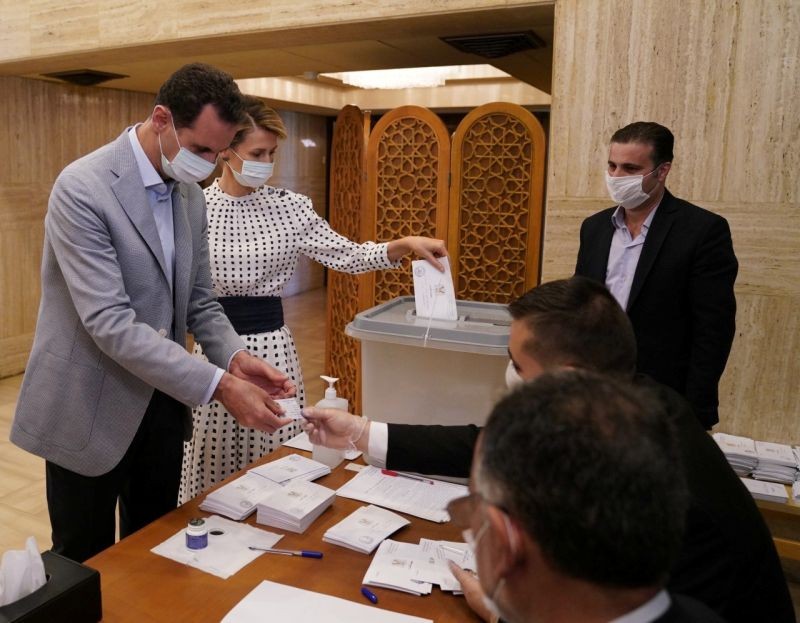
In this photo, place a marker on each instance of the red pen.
(389, 472)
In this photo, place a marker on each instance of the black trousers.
(145, 482)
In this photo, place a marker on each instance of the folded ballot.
(769, 491)
(739, 451)
(397, 566)
(776, 463)
(364, 529)
(294, 506)
(238, 499)
(293, 467)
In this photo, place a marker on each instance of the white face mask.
(489, 601)
(513, 379)
(627, 191)
(254, 173)
(186, 166)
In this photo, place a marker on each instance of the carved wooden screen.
(495, 230)
(348, 155)
(408, 162)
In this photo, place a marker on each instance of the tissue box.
(72, 593)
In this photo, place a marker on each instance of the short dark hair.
(187, 91)
(577, 322)
(650, 133)
(590, 467)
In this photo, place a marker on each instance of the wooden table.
(786, 512)
(140, 586)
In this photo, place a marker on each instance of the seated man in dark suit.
(577, 505)
(727, 560)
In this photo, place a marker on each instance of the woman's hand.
(426, 248)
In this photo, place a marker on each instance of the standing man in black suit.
(670, 265)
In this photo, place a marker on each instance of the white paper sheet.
(278, 602)
(398, 566)
(365, 528)
(434, 294)
(226, 553)
(238, 499)
(291, 408)
(290, 467)
(415, 497)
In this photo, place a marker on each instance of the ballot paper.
(291, 467)
(769, 491)
(434, 294)
(295, 506)
(365, 528)
(278, 602)
(422, 498)
(238, 499)
(291, 408)
(436, 570)
(796, 490)
(776, 463)
(740, 452)
(227, 550)
(397, 566)
(302, 442)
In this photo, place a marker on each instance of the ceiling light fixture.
(416, 77)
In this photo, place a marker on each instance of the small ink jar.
(196, 534)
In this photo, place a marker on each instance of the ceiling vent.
(84, 77)
(496, 45)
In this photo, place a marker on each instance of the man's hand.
(472, 591)
(249, 404)
(334, 428)
(426, 248)
(258, 372)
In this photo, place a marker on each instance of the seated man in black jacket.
(727, 560)
(577, 504)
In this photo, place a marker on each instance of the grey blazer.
(109, 330)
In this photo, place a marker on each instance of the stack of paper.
(414, 568)
(796, 490)
(776, 463)
(422, 497)
(238, 499)
(364, 529)
(294, 467)
(294, 506)
(740, 452)
(769, 491)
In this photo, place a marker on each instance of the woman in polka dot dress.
(255, 236)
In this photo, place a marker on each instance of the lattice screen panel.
(408, 162)
(348, 153)
(496, 203)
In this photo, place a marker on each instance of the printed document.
(422, 498)
(365, 528)
(434, 293)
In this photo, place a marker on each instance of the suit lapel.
(132, 196)
(659, 228)
(598, 262)
(183, 249)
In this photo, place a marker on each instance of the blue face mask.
(186, 166)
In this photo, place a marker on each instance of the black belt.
(253, 314)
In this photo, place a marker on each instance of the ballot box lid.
(481, 327)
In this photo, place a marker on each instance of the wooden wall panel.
(723, 76)
(43, 127)
(347, 199)
(408, 163)
(495, 229)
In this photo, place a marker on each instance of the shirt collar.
(150, 177)
(648, 611)
(618, 218)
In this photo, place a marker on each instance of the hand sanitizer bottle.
(330, 456)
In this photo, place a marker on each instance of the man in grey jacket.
(125, 275)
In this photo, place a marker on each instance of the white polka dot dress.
(254, 244)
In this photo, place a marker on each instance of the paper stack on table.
(293, 467)
(364, 529)
(776, 463)
(740, 452)
(294, 506)
(769, 491)
(437, 570)
(238, 499)
(421, 497)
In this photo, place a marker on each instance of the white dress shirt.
(648, 611)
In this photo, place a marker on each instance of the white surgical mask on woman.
(627, 191)
(254, 173)
(512, 376)
(186, 166)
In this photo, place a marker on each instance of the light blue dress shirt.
(623, 257)
(159, 195)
